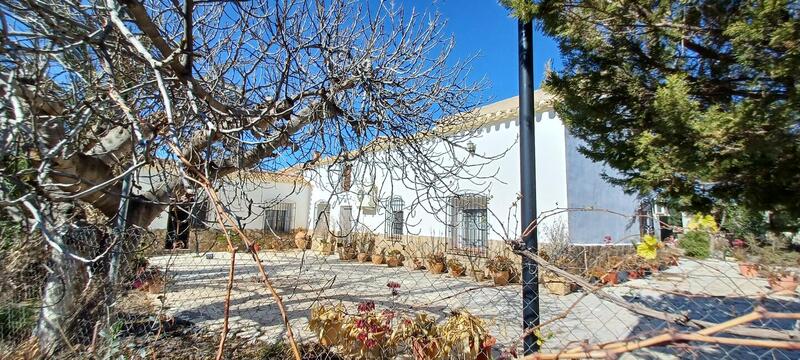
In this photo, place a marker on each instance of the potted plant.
(422, 335)
(365, 242)
(327, 323)
(610, 277)
(327, 245)
(556, 284)
(415, 263)
(747, 268)
(436, 263)
(466, 337)
(782, 282)
(500, 266)
(347, 252)
(604, 274)
(479, 274)
(301, 240)
(455, 267)
(378, 257)
(371, 331)
(617, 263)
(557, 253)
(394, 258)
(633, 266)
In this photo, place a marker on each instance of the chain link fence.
(366, 296)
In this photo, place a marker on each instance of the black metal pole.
(527, 159)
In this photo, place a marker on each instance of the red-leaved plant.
(370, 328)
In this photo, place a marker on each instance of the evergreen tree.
(696, 101)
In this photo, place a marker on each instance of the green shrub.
(744, 223)
(696, 243)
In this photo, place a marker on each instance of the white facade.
(255, 200)
(564, 179)
(487, 156)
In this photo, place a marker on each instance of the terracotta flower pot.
(362, 257)
(425, 350)
(501, 277)
(610, 277)
(436, 268)
(415, 264)
(393, 261)
(748, 269)
(301, 240)
(783, 285)
(347, 254)
(635, 274)
(377, 259)
(558, 285)
(456, 271)
(326, 249)
(479, 275)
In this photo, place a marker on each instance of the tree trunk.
(70, 301)
(62, 285)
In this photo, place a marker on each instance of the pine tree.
(696, 101)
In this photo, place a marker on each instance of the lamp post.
(527, 157)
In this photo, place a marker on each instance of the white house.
(476, 207)
(468, 209)
(267, 201)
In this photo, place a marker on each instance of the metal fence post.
(527, 148)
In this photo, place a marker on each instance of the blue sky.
(483, 27)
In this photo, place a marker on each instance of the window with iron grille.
(394, 218)
(468, 227)
(279, 217)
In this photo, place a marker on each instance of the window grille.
(279, 218)
(468, 227)
(394, 218)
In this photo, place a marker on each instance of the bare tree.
(92, 91)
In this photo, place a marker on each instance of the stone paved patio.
(196, 291)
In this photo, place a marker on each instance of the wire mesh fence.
(380, 298)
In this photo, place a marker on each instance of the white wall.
(245, 197)
(499, 179)
(247, 200)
